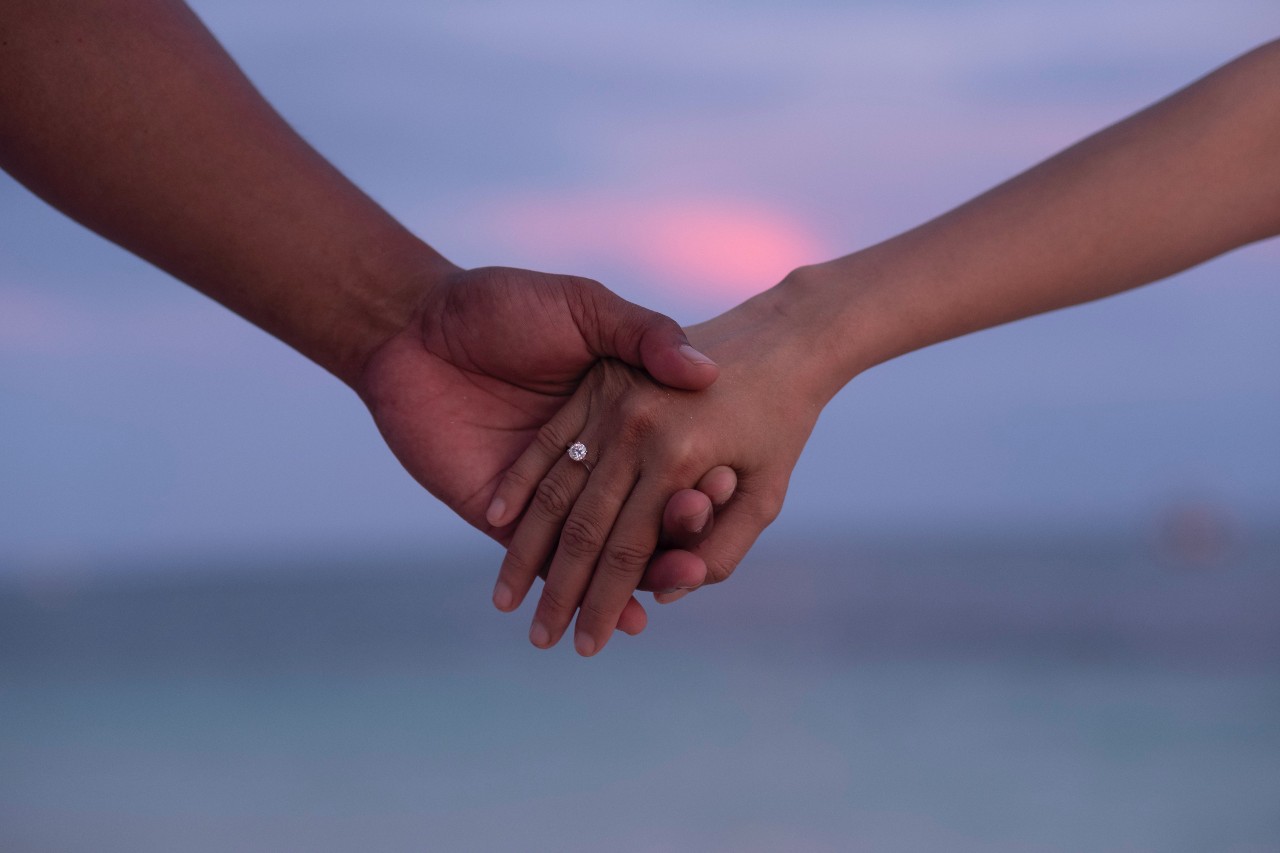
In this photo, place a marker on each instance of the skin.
(129, 117)
(1185, 180)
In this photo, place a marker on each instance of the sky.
(687, 155)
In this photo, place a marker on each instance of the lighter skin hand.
(597, 531)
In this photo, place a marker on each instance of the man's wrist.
(377, 294)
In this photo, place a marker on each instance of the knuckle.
(592, 614)
(555, 605)
(765, 507)
(772, 508)
(583, 296)
(719, 570)
(686, 463)
(588, 286)
(681, 456)
(516, 565)
(625, 561)
(549, 440)
(581, 537)
(766, 514)
(683, 448)
(517, 478)
(639, 415)
(552, 499)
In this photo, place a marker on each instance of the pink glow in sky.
(715, 247)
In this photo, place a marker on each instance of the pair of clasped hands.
(502, 371)
(517, 366)
(141, 127)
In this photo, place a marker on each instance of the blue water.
(1069, 694)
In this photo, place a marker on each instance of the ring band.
(578, 453)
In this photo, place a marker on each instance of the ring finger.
(581, 542)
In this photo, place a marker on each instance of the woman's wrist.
(822, 319)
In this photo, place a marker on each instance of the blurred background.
(1024, 593)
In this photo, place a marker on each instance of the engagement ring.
(578, 453)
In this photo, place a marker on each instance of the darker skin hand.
(490, 356)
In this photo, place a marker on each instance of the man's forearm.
(128, 116)
(1193, 176)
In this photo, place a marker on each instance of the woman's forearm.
(1189, 178)
(128, 116)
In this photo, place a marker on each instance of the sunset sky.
(687, 154)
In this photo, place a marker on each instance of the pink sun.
(713, 247)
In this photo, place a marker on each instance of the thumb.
(615, 328)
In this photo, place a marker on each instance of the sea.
(912, 693)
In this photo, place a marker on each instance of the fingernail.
(539, 635)
(699, 523)
(502, 596)
(585, 644)
(668, 597)
(693, 355)
(495, 511)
